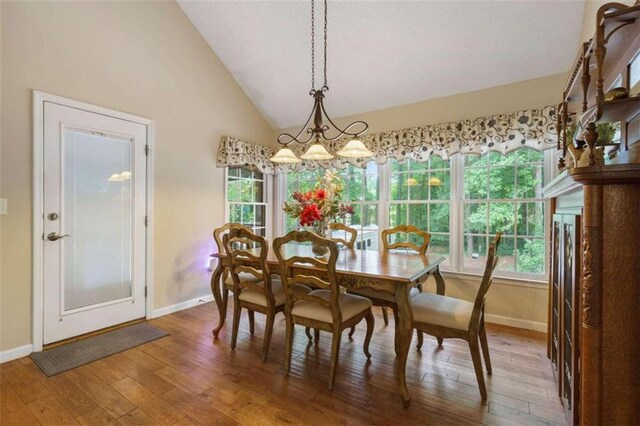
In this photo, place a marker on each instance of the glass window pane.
(418, 183)
(501, 218)
(397, 166)
(531, 219)
(233, 172)
(438, 163)
(506, 252)
(439, 217)
(371, 190)
(258, 175)
(439, 246)
(526, 155)
(260, 218)
(98, 211)
(233, 189)
(247, 215)
(246, 172)
(418, 166)
(475, 218)
(354, 190)
(235, 213)
(502, 182)
(475, 183)
(418, 216)
(399, 187)
(529, 181)
(475, 252)
(397, 214)
(258, 191)
(497, 159)
(369, 233)
(530, 255)
(246, 192)
(440, 185)
(480, 161)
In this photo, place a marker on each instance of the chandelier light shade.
(285, 156)
(319, 126)
(316, 152)
(355, 149)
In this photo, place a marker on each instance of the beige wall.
(522, 304)
(144, 58)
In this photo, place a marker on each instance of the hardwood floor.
(188, 378)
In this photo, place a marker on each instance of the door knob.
(55, 237)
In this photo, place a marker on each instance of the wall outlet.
(3, 206)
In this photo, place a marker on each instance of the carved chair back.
(323, 275)
(407, 230)
(245, 250)
(219, 232)
(342, 227)
(487, 278)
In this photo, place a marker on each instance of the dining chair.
(253, 287)
(350, 243)
(383, 299)
(227, 286)
(449, 317)
(326, 308)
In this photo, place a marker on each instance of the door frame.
(39, 98)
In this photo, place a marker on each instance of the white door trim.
(39, 98)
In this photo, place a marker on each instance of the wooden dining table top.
(398, 266)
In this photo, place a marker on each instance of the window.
(246, 198)
(462, 202)
(504, 194)
(420, 195)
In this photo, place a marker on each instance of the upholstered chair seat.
(443, 311)
(350, 306)
(244, 276)
(259, 298)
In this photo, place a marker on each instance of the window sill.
(500, 280)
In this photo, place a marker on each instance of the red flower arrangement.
(320, 206)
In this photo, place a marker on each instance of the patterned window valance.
(504, 133)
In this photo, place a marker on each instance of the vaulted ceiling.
(384, 53)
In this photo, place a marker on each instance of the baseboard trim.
(179, 306)
(15, 353)
(517, 322)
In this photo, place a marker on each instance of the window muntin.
(504, 194)
(479, 196)
(246, 198)
(420, 195)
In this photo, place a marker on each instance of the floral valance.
(504, 133)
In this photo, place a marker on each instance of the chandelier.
(318, 131)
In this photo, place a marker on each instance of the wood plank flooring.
(189, 378)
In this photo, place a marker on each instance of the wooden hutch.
(594, 288)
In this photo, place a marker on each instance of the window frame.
(267, 191)
(456, 215)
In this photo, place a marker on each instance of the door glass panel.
(97, 214)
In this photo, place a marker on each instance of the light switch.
(3, 206)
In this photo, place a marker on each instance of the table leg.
(404, 328)
(439, 290)
(217, 295)
(439, 281)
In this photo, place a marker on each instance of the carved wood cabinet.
(594, 293)
(564, 349)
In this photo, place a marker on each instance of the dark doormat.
(66, 357)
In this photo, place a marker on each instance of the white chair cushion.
(259, 298)
(383, 295)
(350, 306)
(441, 310)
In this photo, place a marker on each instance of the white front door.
(94, 221)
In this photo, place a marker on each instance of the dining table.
(393, 272)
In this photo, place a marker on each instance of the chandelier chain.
(313, 46)
(325, 45)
